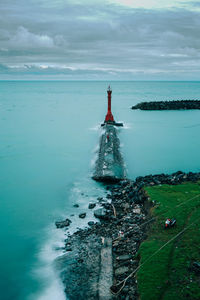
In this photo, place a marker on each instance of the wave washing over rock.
(109, 166)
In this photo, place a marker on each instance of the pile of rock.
(174, 178)
(168, 105)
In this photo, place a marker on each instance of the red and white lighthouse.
(109, 116)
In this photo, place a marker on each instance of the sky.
(100, 39)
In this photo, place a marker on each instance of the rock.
(100, 213)
(168, 105)
(124, 257)
(121, 270)
(76, 205)
(62, 224)
(82, 216)
(68, 248)
(125, 206)
(91, 205)
(91, 223)
(137, 211)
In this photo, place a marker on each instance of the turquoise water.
(48, 133)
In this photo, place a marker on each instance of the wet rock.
(91, 223)
(76, 205)
(100, 213)
(62, 224)
(68, 248)
(91, 205)
(168, 105)
(82, 215)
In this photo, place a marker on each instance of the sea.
(49, 134)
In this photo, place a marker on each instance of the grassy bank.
(168, 274)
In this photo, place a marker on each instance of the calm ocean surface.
(48, 135)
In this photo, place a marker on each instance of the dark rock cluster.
(123, 219)
(62, 224)
(168, 105)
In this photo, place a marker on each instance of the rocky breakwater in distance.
(105, 253)
(168, 105)
(109, 166)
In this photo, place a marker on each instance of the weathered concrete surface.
(109, 166)
(87, 271)
(80, 268)
(106, 270)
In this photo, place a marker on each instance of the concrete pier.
(109, 166)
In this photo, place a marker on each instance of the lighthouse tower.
(109, 117)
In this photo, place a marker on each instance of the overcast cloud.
(71, 39)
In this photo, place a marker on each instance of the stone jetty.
(168, 105)
(109, 166)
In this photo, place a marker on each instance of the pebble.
(91, 205)
(82, 215)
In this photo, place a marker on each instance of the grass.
(167, 275)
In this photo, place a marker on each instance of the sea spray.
(83, 192)
(45, 273)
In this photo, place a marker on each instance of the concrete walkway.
(106, 270)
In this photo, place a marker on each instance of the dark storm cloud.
(98, 37)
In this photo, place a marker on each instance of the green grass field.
(167, 275)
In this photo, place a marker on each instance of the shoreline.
(123, 218)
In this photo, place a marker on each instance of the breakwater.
(109, 166)
(168, 105)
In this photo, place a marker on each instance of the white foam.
(54, 291)
(96, 127)
(82, 192)
(127, 126)
(53, 287)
